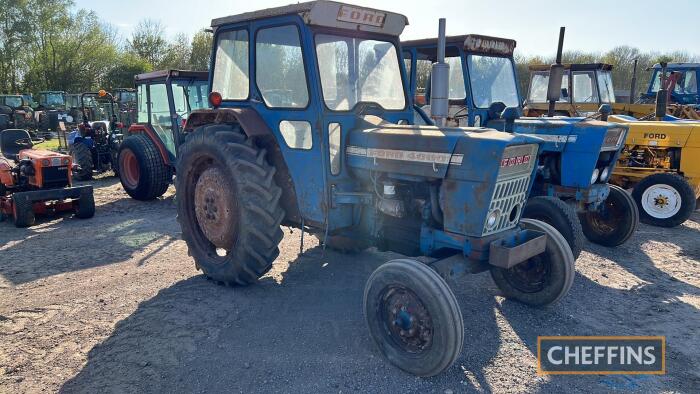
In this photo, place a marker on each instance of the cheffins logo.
(582, 355)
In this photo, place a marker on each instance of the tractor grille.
(510, 193)
(55, 177)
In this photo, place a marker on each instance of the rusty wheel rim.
(129, 168)
(530, 276)
(213, 201)
(406, 319)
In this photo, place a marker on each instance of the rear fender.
(255, 128)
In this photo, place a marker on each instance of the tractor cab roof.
(328, 14)
(164, 74)
(473, 43)
(678, 66)
(574, 67)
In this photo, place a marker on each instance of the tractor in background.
(126, 100)
(311, 126)
(661, 156)
(94, 144)
(571, 190)
(36, 181)
(148, 154)
(50, 112)
(20, 113)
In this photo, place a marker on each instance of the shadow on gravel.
(73, 244)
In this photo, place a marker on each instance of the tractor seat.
(9, 146)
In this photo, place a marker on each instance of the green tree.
(148, 41)
(121, 75)
(177, 55)
(200, 52)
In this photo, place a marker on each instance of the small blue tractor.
(681, 81)
(578, 155)
(147, 154)
(94, 144)
(312, 127)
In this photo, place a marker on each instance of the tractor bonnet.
(329, 14)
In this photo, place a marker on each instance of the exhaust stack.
(439, 81)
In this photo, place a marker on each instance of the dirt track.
(114, 304)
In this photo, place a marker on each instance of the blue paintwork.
(346, 201)
(676, 97)
(578, 158)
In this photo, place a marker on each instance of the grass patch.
(51, 144)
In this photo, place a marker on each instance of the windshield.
(126, 97)
(686, 81)
(605, 87)
(539, 82)
(492, 80)
(357, 70)
(13, 101)
(53, 99)
(189, 96)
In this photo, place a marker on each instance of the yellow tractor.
(661, 159)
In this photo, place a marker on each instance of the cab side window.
(279, 67)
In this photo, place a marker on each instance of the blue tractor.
(312, 127)
(681, 81)
(578, 154)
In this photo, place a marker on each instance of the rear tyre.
(23, 212)
(559, 215)
(413, 317)
(664, 199)
(83, 158)
(43, 123)
(85, 206)
(142, 171)
(228, 204)
(543, 279)
(615, 221)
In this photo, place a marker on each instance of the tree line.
(51, 45)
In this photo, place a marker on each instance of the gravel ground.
(114, 304)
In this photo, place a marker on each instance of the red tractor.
(34, 181)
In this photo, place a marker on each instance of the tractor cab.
(681, 81)
(16, 111)
(165, 101)
(51, 111)
(578, 154)
(52, 100)
(584, 88)
(126, 99)
(312, 126)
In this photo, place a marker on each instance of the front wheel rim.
(661, 201)
(406, 320)
(531, 276)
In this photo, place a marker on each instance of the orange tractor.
(34, 181)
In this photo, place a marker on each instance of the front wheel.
(82, 156)
(664, 199)
(22, 212)
(614, 222)
(413, 317)
(543, 279)
(559, 215)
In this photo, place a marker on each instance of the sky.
(591, 26)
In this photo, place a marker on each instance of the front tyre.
(664, 199)
(559, 215)
(413, 317)
(543, 279)
(82, 156)
(228, 204)
(614, 222)
(142, 171)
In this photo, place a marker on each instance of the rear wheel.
(23, 212)
(664, 199)
(142, 171)
(559, 215)
(614, 222)
(43, 123)
(82, 156)
(228, 204)
(413, 317)
(543, 279)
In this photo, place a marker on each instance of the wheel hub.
(661, 201)
(407, 320)
(213, 199)
(530, 276)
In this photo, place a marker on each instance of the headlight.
(605, 174)
(492, 218)
(594, 176)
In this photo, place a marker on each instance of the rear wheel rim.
(129, 168)
(213, 199)
(661, 201)
(406, 320)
